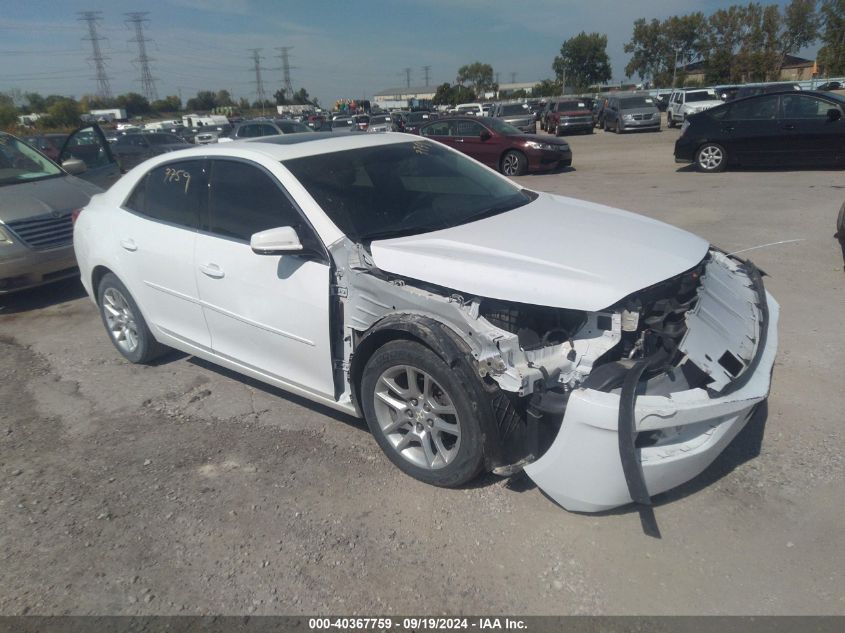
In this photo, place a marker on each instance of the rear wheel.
(669, 121)
(421, 414)
(711, 158)
(123, 320)
(514, 163)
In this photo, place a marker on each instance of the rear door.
(89, 145)
(816, 139)
(438, 131)
(752, 132)
(155, 233)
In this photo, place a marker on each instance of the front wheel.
(123, 320)
(514, 163)
(711, 158)
(422, 415)
(669, 121)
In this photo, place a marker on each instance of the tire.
(514, 163)
(604, 125)
(618, 127)
(557, 130)
(404, 379)
(711, 158)
(669, 121)
(124, 323)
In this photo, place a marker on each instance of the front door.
(89, 145)
(438, 131)
(155, 235)
(816, 139)
(467, 138)
(268, 313)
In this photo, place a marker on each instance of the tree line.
(748, 42)
(61, 111)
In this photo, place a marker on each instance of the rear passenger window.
(171, 193)
(244, 200)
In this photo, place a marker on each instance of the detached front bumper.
(582, 470)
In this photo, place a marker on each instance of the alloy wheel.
(120, 320)
(710, 157)
(417, 416)
(510, 165)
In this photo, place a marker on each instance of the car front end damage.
(598, 408)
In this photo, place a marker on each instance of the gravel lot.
(183, 488)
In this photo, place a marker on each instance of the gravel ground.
(184, 488)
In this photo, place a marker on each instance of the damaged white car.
(477, 326)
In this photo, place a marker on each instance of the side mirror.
(275, 241)
(74, 166)
(834, 114)
(485, 135)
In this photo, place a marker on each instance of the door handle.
(459, 140)
(129, 245)
(788, 126)
(212, 270)
(730, 128)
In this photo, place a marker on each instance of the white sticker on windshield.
(581, 104)
(648, 100)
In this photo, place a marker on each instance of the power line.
(287, 86)
(91, 18)
(426, 71)
(136, 20)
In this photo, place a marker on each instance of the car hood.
(643, 110)
(555, 251)
(539, 139)
(29, 199)
(579, 112)
(697, 105)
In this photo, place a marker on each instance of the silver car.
(37, 202)
(516, 114)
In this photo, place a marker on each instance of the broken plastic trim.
(757, 282)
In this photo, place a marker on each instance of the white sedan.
(476, 325)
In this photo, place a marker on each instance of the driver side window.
(244, 199)
(466, 128)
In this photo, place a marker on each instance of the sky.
(339, 49)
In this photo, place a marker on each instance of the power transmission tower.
(426, 71)
(259, 84)
(513, 78)
(136, 19)
(92, 18)
(287, 87)
(407, 72)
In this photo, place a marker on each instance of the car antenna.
(754, 248)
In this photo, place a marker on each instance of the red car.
(573, 115)
(499, 145)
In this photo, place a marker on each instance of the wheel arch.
(449, 347)
(97, 275)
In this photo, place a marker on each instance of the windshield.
(403, 189)
(292, 127)
(380, 118)
(165, 139)
(515, 108)
(417, 117)
(702, 95)
(503, 128)
(633, 103)
(572, 105)
(21, 163)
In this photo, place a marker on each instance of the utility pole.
(407, 72)
(91, 18)
(259, 84)
(426, 71)
(136, 19)
(287, 86)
